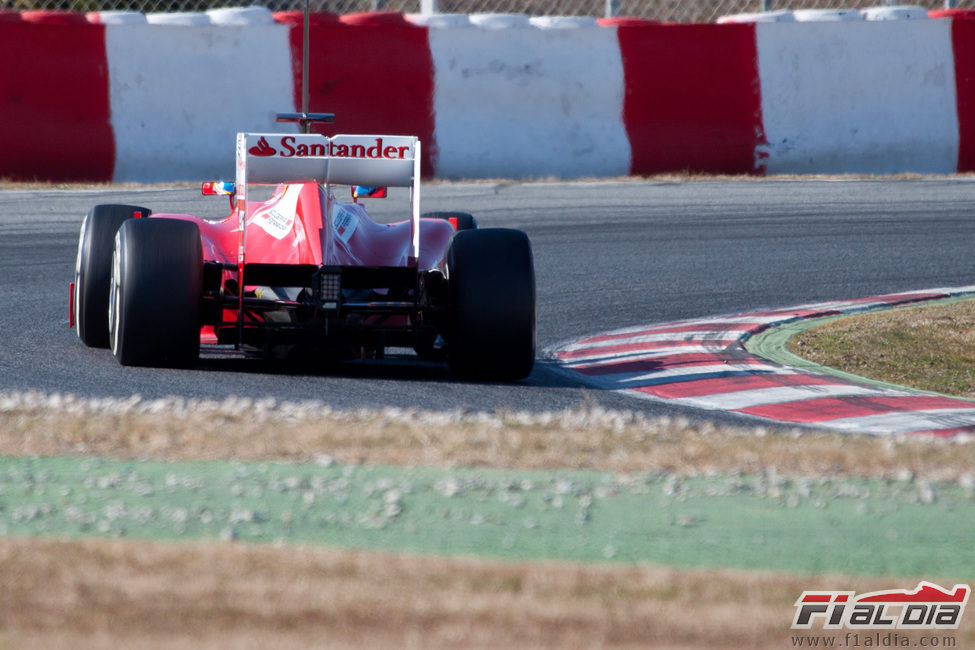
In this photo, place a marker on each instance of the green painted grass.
(849, 526)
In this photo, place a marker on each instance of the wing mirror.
(366, 192)
(219, 188)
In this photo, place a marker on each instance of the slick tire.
(464, 220)
(491, 305)
(156, 284)
(93, 270)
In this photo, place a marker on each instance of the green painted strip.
(848, 526)
(773, 344)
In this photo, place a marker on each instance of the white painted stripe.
(748, 318)
(718, 336)
(596, 360)
(835, 305)
(759, 397)
(649, 335)
(904, 421)
(528, 103)
(854, 97)
(180, 95)
(637, 379)
(599, 360)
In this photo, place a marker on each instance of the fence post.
(378, 5)
(428, 7)
(766, 5)
(612, 8)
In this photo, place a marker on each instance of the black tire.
(491, 304)
(465, 220)
(93, 270)
(157, 280)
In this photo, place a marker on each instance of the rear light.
(329, 287)
(71, 305)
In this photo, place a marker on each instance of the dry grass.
(110, 594)
(595, 439)
(930, 348)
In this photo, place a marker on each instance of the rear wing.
(372, 160)
(270, 158)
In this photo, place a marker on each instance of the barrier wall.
(54, 108)
(522, 102)
(858, 97)
(963, 43)
(128, 97)
(179, 95)
(692, 98)
(376, 78)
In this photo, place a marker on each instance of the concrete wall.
(127, 97)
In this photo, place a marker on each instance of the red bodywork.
(289, 228)
(307, 242)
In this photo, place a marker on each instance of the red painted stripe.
(963, 42)
(692, 99)
(376, 79)
(663, 363)
(732, 385)
(646, 346)
(54, 99)
(835, 408)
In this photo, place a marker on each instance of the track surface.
(607, 255)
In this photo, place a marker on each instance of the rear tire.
(464, 220)
(491, 304)
(157, 280)
(93, 270)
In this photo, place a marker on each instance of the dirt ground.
(114, 594)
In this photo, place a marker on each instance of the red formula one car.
(304, 271)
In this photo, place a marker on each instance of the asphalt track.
(608, 255)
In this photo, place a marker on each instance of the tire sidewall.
(491, 304)
(156, 289)
(93, 268)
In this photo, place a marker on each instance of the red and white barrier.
(691, 100)
(179, 95)
(122, 96)
(858, 97)
(527, 102)
(54, 107)
(963, 44)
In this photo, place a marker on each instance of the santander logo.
(371, 149)
(377, 150)
(262, 149)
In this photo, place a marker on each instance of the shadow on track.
(405, 367)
